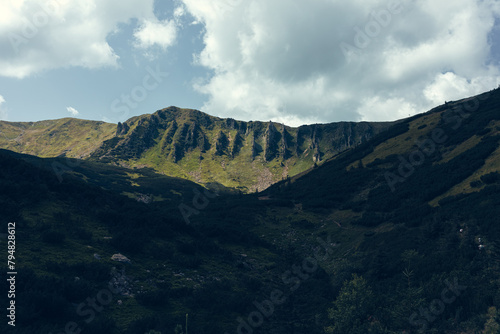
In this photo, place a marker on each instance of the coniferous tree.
(352, 310)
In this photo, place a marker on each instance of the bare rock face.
(221, 144)
(122, 129)
(120, 258)
(175, 137)
(271, 137)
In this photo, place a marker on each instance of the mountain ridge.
(71, 137)
(187, 143)
(202, 145)
(332, 239)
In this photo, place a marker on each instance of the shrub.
(476, 184)
(491, 178)
(53, 237)
(154, 298)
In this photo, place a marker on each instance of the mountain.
(448, 151)
(142, 184)
(83, 238)
(68, 228)
(398, 234)
(411, 211)
(249, 156)
(68, 137)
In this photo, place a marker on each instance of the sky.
(290, 61)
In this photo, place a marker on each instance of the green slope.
(68, 137)
(67, 230)
(407, 241)
(409, 217)
(249, 156)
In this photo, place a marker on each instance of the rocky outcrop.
(122, 129)
(168, 137)
(286, 141)
(120, 258)
(178, 136)
(174, 134)
(237, 144)
(121, 283)
(271, 138)
(221, 144)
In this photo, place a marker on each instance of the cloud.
(161, 33)
(38, 35)
(453, 87)
(72, 111)
(326, 60)
(3, 112)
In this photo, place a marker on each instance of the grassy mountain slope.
(68, 137)
(192, 145)
(245, 155)
(67, 231)
(407, 211)
(142, 184)
(412, 209)
(435, 141)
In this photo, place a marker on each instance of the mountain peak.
(250, 155)
(191, 144)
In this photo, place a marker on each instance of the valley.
(359, 228)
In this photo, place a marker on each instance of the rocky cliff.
(246, 155)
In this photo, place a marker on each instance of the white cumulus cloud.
(155, 32)
(38, 35)
(328, 60)
(449, 86)
(72, 111)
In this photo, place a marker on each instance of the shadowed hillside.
(249, 156)
(396, 235)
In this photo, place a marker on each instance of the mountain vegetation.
(248, 156)
(394, 233)
(67, 137)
